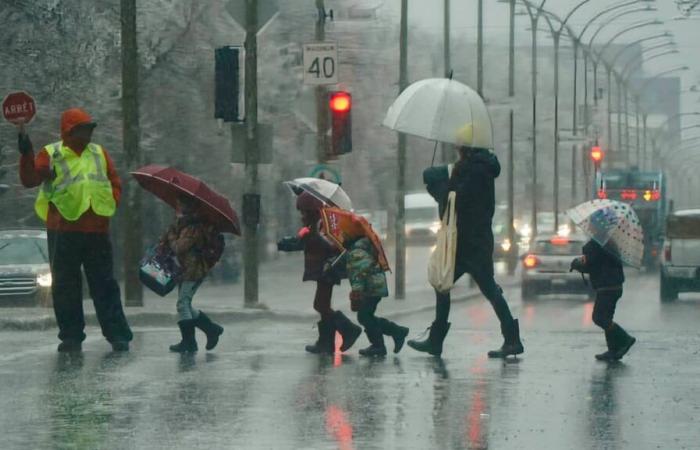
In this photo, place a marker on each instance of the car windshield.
(22, 250)
(426, 214)
(559, 248)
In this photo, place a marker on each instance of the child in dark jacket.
(188, 238)
(606, 277)
(368, 284)
(318, 251)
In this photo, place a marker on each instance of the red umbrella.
(340, 226)
(167, 184)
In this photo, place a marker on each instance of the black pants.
(68, 251)
(375, 326)
(322, 299)
(604, 308)
(484, 278)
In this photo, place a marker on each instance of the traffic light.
(226, 84)
(597, 155)
(340, 103)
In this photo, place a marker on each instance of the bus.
(646, 193)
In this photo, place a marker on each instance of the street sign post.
(267, 10)
(18, 108)
(321, 63)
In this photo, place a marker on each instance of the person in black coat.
(606, 277)
(473, 180)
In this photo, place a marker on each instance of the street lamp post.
(534, 13)
(578, 42)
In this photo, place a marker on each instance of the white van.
(680, 267)
(422, 217)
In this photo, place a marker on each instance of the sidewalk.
(282, 296)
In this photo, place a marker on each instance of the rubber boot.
(433, 343)
(348, 330)
(326, 339)
(376, 339)
(621, 341)
(511, 341)
(396, 331)
(607, 355)
(211, 329)
(188, 342)
(70, 345)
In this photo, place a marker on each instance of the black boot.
(211, 329)
(376, 340)
(621, 341)
(326, 339)
(607, 355)
(188, 342)
(396, 331)
(433, 344)
(511, 341)
(70, 345)
(348, 330)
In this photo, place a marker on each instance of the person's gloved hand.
(290, 244)
(576, 264)
(24, 144)
(356, 300)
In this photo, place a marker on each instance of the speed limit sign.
(321, 63)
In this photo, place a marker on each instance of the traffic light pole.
(133, 291)
(400, 222)
(321, 92)
(251, 197)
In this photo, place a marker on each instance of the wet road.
(259, 390)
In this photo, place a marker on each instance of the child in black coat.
(606, 277)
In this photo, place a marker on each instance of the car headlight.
(44, 280)
(505, 245)
(434, 228)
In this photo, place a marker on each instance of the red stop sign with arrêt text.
(18, 108)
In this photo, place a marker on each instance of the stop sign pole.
(18, 108)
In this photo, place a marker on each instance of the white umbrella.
(443, 110)
(328, 192)
(614, 225)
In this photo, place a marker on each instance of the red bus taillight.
(628, 194)
(602, 193)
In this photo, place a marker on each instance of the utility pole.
(400, 222)
(513, 251)
(480, 50)
(321, 92)
(556, 36)
(533, 71)
(251, 197)
(132, 235)
(444, 148)
(574, 175)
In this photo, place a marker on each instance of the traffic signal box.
(340, 104)
(597, 156)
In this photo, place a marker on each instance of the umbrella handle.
(432, 163)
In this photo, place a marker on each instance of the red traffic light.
(597, 154)
(340, 102)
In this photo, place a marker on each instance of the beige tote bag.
(441, 266)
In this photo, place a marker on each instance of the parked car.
(422, 218)
(25, 276)
(680, 267)
(546, 267)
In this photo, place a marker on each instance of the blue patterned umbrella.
(614, 225)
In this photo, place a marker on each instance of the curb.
(159, 319)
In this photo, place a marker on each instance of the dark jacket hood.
(486, 160)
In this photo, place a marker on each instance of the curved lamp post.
(578, 42)
(609, 67)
